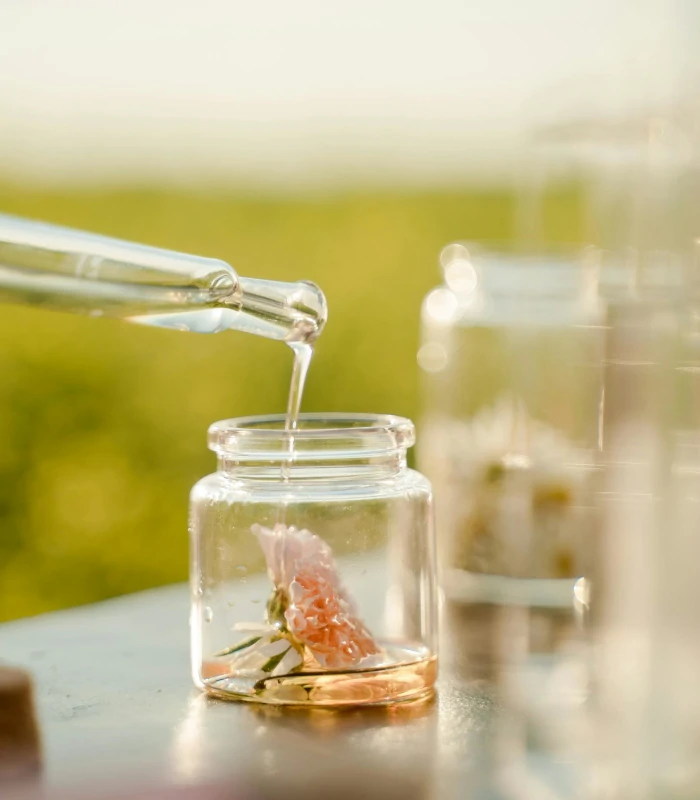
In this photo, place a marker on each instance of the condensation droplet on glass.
(242, 569)
(231, 603)
(208, 614)
(255, 600)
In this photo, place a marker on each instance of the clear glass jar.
(511, 358)
(313, 578)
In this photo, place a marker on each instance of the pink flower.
(320, 613)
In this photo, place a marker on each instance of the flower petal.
(292, 659)
(275, 647)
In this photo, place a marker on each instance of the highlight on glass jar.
(313, 564)
(511, 362)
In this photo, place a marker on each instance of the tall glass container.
(645, 592)
(510, 357)
(313, 565)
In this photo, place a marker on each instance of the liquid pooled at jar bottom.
(312, 646)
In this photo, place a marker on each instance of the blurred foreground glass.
(313, 571)
(637, 174)
(510, 356)
(645, 588)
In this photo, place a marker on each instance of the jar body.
(317, 587)
(512, 392)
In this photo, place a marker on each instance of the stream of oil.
(303, 353)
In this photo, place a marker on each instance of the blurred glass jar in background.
(510, 357)
(634, 180)
(313, 569)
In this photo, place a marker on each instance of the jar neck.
(347, 470)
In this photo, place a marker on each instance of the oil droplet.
(208, 614)
(242, 569)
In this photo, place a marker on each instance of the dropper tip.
(313, 302)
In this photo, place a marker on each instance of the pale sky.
(280, 93)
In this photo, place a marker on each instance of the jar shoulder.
(210, 486)
(417, 480)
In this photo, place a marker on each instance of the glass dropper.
(69, 270)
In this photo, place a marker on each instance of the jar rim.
(556, 270)
(513, 251)
(318, 437)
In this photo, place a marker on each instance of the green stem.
(238, 647)
(276, 606)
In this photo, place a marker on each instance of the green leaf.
(238, 647)
(271, 663)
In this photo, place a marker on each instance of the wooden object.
(19, 731)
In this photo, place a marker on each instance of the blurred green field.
(103, 423)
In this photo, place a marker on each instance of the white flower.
(266, 653)
(505, 435)
(517, 485)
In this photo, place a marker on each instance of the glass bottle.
(313, 565)
(510, 357)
